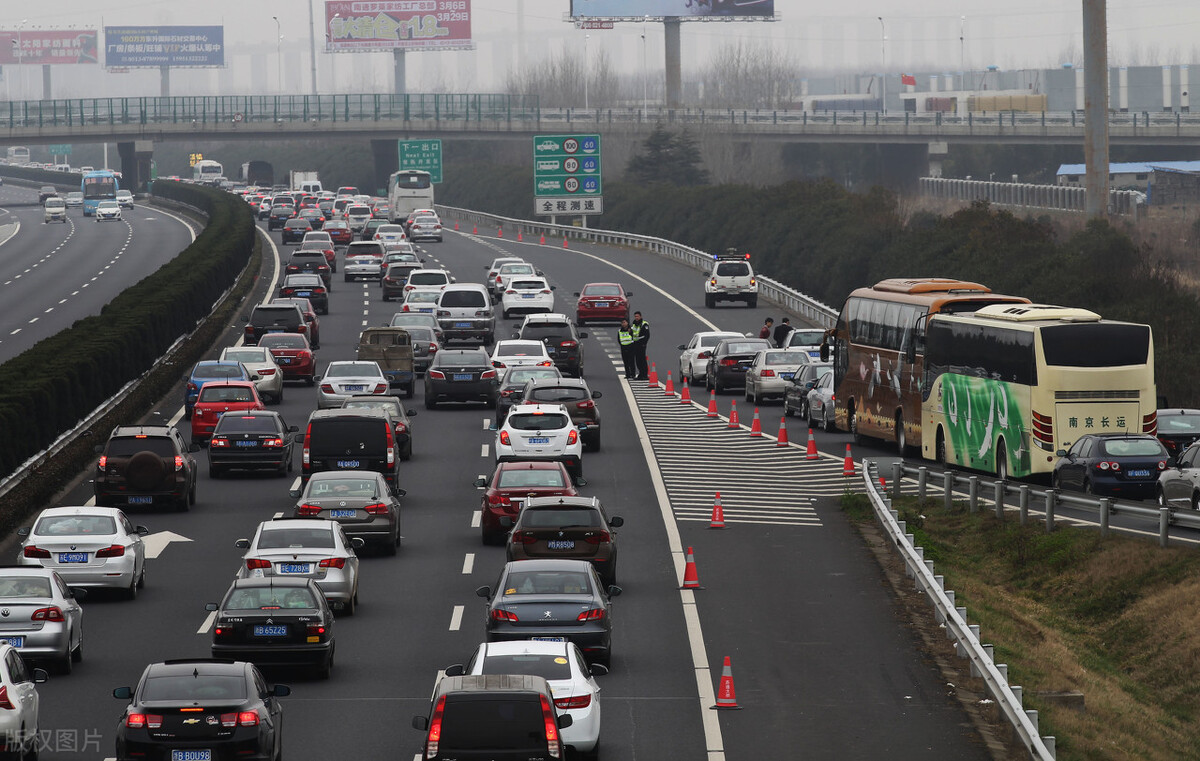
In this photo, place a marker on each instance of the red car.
(339, 231)
(508, 487)
(218, 397)
(310, 318)
(602, 301)
(293, 355)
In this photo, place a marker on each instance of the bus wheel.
(940, 451)
(901, 436)
(852, 424)
(1001, 462)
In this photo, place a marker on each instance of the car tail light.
(178, 462)
(498, 499)
(327, 388)
(247, 718)
(504, 615)
(103, 462)
(381, 388)
(275, 442)
(578, 701)
(552, 745)
(483, 313)
(391, 447)
(378, 508)
(728, 362)
(586, 404)
(222, 631)
(229, 719)
(52, 613)
(486, 374)
(216, 443)
(507, 392)
(332, 563)
(111, 551)
(404, 308)
(523, 537)
(510, 290)
(704, 355)
(545, 290)
(316, 630)
(255, 563)
(302, 328)
(598, 537)
(713, 282)
(767, 374)
(307, 509)
(143, 720)
(443, 313)
(572, 437)
(5, 703)
(1162, 464)
(504, 438)
(305, 452)
(546, 363)
(35, 552)
(433, 348)
(435, 729)
(568, 344)
(1113, 466)
(193, 387)
(401, 428)
(594, 614)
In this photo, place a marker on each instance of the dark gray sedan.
(460, 375)
(360, 500)
(729, 362)
(1179, 485)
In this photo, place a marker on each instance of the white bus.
(408, 189)
(18, 155)
(208, 172)
(1007, 386)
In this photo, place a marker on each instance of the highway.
(53, 274)
(823, 665)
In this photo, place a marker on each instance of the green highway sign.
(425, 155)
(567, 172)
(60, 150)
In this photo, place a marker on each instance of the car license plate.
(14, 641)
(462, 324)
(342, 513)
(426, 311)
(140, 500)
(283, 360)
(463, 376)
(528, 295)
(601, 305)
(72, 557)
(354, 387)
(295, 567)
(1139, 473)
(538, 440)
(786, 376)
(347, 463)
(247, 443)
(560, 544)
(276, 330)
(548, 639)
(191, 755)
(270, 631)
(303, 293)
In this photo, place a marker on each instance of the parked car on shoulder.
(1112, 464)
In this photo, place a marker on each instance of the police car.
(731, 279)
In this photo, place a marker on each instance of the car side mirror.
(316, 378)
(122, 693)
(576, 293)
(1061, 453)
(484, 592)
(628, 294)
(410, 413)
(506, 522)
(825, 353)
(293, 428)
(583, 335)
(358, 543)
(245, 318)
(597, 394)
(565, 720)
(194, 446)
(614, 591)
(23, 531)
(210, 606)
(420, 722)
(554, 287)
(281, 690)
(480, 483)
(255, 376)
(299, 439)
(517, 335)
(540, 273)
(242, 544)
(580, 481)
(78, 593)
(294, 493)
(616, 521)
(40, 676)
(401, 492)
(455, 670)
(141, 530)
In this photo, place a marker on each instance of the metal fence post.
(1164, 526)
(973, 494)
(998, 498)
(1051, 498)
(922, 476)
(897, 474)
(1105, 509)
(948, 490)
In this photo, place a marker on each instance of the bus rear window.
(1096, 345)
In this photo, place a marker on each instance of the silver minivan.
(55, 210)
(465, 313)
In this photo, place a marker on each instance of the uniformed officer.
(625, 339)
(641, 336)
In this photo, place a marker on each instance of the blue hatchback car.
(1112, 464)
(209, 370)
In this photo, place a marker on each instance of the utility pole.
(883, 70)
(312, 45)
(1095, 106)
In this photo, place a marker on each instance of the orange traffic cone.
(653, 375)
(733, 418)
(712, 404)
(718, 515)
(782, 441)
(848, 466)
(685, 395)
(726, 695)
(882, 484)
(542, 241)
(519, 238)
(691, 580)
(755, 425)
(670, 387)
(499, 232)
(564, 242)
(811, 452)
(456, 225)
(474, 229)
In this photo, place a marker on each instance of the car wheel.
(718, 386)
(757, 398)
(387, 297)
(1161, 498)
(390, 548)
(1195, 500)
(596, 442)
(406, 453)
(65, 664)
(1088, 490)
(752, 302)
(803, 413)
(351, 605)
(142, 577)
(409, 390)
(279, 395)
(131, 592)
(215, 472)
(852, 425)
(591, 755)
(709, 301)
(326, 667)
(827, 420)
(787, 410)
(310, 380)
(1002, 463)
(77, 653)
(430, 403)
(347, 277)
(747, 394)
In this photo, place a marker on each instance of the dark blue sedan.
(1112, 464)
(208, 370)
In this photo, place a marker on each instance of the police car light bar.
(730, 254)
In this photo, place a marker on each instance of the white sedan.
(88, 547)
(571, 682)
(261, 362)
(527, 294)
(348, 378)
(386, 234)
(694, 355)
(315, 549)
(19, 719)
(516, 352)
(108, 210)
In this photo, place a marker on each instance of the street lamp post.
(312, 45)
(586, 37)
(962, 49)
(883, 70)
(645, 69)
(278, 56)
(20, 54)
(332, 62)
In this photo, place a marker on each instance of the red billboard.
(37, 46)
(364, 25)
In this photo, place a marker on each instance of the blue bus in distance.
(97, 186)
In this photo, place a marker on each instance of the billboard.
(34, 46)
(365, 25)
(182, 46)
(637, 9)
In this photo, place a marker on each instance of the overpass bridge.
(135, 123)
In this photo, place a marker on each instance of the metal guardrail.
(966, 636)
(790, 299)
(1021, 194)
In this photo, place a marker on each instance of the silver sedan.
(345, 379)
(694, 355)
(771, 372)
(312, 548)
(88, 547)
(43, 620)
(259, 361)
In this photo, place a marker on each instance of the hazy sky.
(921, 36)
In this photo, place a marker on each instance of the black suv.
(350, 439)
(146, 465)
(273, 318)
(295, 229)
(279, 215)
(46, 191)
(312, 262)
(561, 339)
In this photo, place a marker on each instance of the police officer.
(625, 339)
(641, 336)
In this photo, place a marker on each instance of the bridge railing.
(1061, 197)
(772, 290)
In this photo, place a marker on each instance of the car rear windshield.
(246, 355)
(195, 688)
(337, 486)
(283, 342)
(351, 369)
(743, 348)
(532, 421)
(546, 583)
(465, 359)
(537, 331)
(517, 269)
(264, 315)
(211, 393)
(359, 211)
(25, 586)
(474, 299)
(427, 278)
(558, 395)
(63, 525)
(806, 337)
(1175, 424)
(269, 598)
(527, 285)
(525, 349)
(786, 357)
(733, 269)
(391, 405)
(341, 436)
(127, 446)
(1133, 448)
(545, 665)
(518, 375)
(422, 297)
(278, 538)
(602, 290)
(710, 341)
(501, 724)
(364, 248)
(519, 479)
(551, 517)
(245, 424)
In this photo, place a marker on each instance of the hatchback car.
(425, 346)
(293, 354)
(218, 398)
(161, 718)
(45, 620)
(574, 395)
(428, 279)
(540, 432)
(553, 598)
(395, 277)
(277, 621)
(346, 378)
(210, 370)
(319, 240)
(566, 527)
(357, 216)
(360, 501)
(20, 736)
(259, 361)
(251, 440)
(1179, 485)
(771, 372)
(563, 342)
(305, 286)
(694, 355)
(602, 302)
(729, 362)
(510, 484)
(87, 547)
(516, 352)
(310, 548)
(460, 375)
(512, 386)
(108, 211)
(1112, 464)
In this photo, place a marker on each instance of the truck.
(305, 181)
(258, 173)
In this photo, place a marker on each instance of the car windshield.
(546, 583)
(558, 395)
(1177, 424)
(537, 421)
(423, 297)
(194, 688)
(63, 525)
(518, 375)
(108, 204)
(246, 355)
(127, 446)
(391, 405)
(537, 331)
(211, 393)
(269, 598)
(24, 586)
(480, 726)
(385, 229)
(342, 487)
(522, 479)
(273, 314)
(528, 285)
(743, 348)
(217, 371)
(522, 349)
(602, 290)
(476, 299)
(245, 424)
(548, 517)
(351, 369)
(303, 280)
(359, 211)
(463, 359)
(545, 665)
(278, 538)
(786, 358)
(517, 269)
(710, 341)
(401, 319)
(428, 278)
(806, 337)
(1133, 448)
(733, 269)
(283, 341)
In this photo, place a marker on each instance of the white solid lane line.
(483, 452)
(469, 563)
(476, 518)
(456, 618)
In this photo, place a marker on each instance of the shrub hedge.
(47, 389)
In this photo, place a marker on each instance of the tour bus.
(1008, 386)
(18, 155)
(408, 190)
(877, 389)
(208, 172)
(101, 185)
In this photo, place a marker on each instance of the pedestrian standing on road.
(781, 332)
(765, 331)
(625, 339)
(641, 337)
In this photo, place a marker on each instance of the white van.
(310, 186)
(55, 210)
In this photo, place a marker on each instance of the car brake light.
(305, 452)
(248, 718)
(551, 724)
(507, 392)
(301, 328)
(586, 404)
(572, 437)
(595, 614)
(546, 363)
(435, 729)
(141, 720)
(103, 462)
(510, 290)
(704, 355)
(498, 499)
(52, 613)
(578, 701)
(546, 290)
(332, 563)
(437, 375)
(178, 462)
(487, 374)
(504, 439)
(307, 509)
(327, 388)
(381, 388)
(433, 348)
(379, 508)
(568, 344)
(504, 615)
(316, 630)
(728, 362)
(598, 537)
(5, 703)
(36, 552)
(275, 442)
(523, 537)
(404, 308)
(767, 374)
(111, 551)
(218, 443)
(1115, 466)
(713, 282)
(254, 563)
(391, 446)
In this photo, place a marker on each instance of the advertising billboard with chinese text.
(181, 46)
(365, 25)
(681, 8)
(37, 46)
